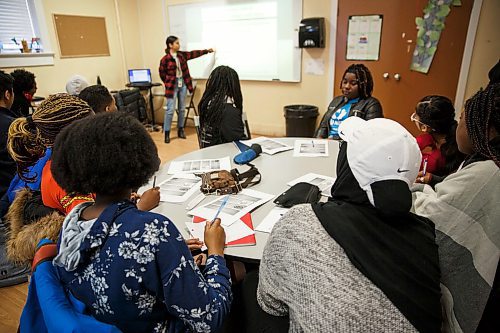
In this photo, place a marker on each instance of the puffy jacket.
(368, 108)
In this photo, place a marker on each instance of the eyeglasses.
(413, 118)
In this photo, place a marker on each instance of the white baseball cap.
(380, 149)
(76, 84)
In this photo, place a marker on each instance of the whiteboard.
(258, 38)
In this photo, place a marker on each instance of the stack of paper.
(240, 233)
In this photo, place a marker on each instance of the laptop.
(138, 77)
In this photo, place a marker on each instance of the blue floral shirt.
(135, 271)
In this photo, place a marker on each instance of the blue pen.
(224, 202)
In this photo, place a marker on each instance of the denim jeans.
(180, 97)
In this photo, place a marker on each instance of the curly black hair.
(104, 154)
(23, 81)
(97, 96)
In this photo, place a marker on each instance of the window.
(19, 23)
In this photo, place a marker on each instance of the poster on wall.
(363, 37)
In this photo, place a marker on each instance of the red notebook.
(245, 241)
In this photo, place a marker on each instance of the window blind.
(16, 21)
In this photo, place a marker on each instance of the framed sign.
(363, 37)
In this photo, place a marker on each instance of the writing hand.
(149, 199)
(424, 179)
(215, 237)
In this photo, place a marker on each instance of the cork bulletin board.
(81, 36)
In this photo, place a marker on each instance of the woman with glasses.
(434, 116)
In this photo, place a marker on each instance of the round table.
(276, 170)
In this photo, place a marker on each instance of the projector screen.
(258, 38)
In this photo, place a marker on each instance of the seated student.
(356, 100)
(31, 214)
(435, 117)
(7, 164)
(221, 108)
(76, 84)
(130, 268)
(361, 261)
(465, 208)
(24, 90)
(10, 273)
(28, 141)
(99, 98)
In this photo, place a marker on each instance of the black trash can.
(301, 120)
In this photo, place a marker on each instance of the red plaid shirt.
(168, 70)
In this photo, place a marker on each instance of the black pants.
(256, 319)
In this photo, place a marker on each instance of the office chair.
(196, 120)
(246, 128)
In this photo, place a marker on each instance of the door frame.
(464, 68)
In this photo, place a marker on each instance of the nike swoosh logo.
(342, 133)
(401, 171)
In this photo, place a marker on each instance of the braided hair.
(170, 40)
(482, 113)
(364, 77)
(30, 136)
(438, 113)
(222, 83)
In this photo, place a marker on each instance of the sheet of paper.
(179, 187)
(363, 37)
(270, 220)
(199, 166)
(310, 148)
(315, 67)
(269, 146)
(323, 182)
(236, 206)
(235, 231)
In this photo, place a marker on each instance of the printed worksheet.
(199, 166)
(236, 206)
(311, 148)
(235, 231)
(268, 145)
(179, 187)
(324, 183)
(271, 219)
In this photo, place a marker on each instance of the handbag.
(223, 182)
(298, 194)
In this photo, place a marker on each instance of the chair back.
(246, 128)
(197, 126)
(49, 308)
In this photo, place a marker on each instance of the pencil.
(154, 182)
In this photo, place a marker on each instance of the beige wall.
(486, 52)
(137, 30)
(262, 101)
(52, 79)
